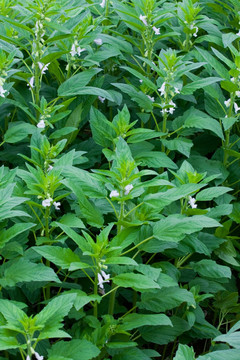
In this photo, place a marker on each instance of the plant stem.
(112, 299)
(134, 247)
(95, 307)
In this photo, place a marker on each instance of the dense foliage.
(119, 178)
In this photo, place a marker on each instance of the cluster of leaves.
(119, 179)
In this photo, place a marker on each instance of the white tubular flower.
(236, 107)
(140, 81)
(196, 31)
(2, 91)
(43, 67)
(238, 34)
(103, 3)
(79, 50)
(47, 202)
(176, 90)
(31, 83)
(38, 357)
(233, 79)
(171, 110)
(41, 124)
(28, 358)
(172, 103)
(227, 102)
(192, 202)
(128, 188)
(50, 168)
(237, 93)
(98, 41)
(57, 205)
(114, 193)
(102, 99)
(151, 98)
(143, 19)
(162, 89)
(103, 278)
(156, 30)
(73, 51)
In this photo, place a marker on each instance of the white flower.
(143, 19)
(164, 111)
(227, 102)
(196, 31)
(156, 30)
(176, 90)
(103, 3)
(172, 103)
(43, 67)
(151, 98)
(46, 202)
(57, 205)
(79, 50)
(102, 278)
(50, 168)
(236, 107)
(41, 124)
(162, 89)
(114, 193)
(237, 93)
(171, 110)
(31, 83)
(38, 357)
(28, 358)
(2, 91)
(128, 188)
(192, 202)
(98, 41)
(141, 81)
(102, 99)
(232, 79)
(238, 34)
(73, 51)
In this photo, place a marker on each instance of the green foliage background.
(119, 179)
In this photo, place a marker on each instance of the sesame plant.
(119, 179)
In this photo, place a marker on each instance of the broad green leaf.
(52, 315)
(73, 349)
(133, 321)
(166, 299)
(22, 270)
(136, 281)
(194, 118)
(6, 235)
(14, 316)
(62, 257)
(155, 159)
(184, 352)
(180, 144)
(212, 270)
(232, 354)
(62, 132)
(198, 84)
(18, 132)
(77, 82)
(211, 193)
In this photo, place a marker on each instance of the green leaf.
(13, 315)
(198, 84)
(194, 118)
(52, 315)
(22, 270)
(212, 270)
(155, 159)
(232, 354)
(180, 144)
(73, 349)
(166, 299)
(184, 352)
(61, 257)
(133, 321)
(18, 132)
(102, 129)
(77, 82)
(211, 193)
(7, 235)
(61, 132)
(136, 281)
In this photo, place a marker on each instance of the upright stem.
(95, 307)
